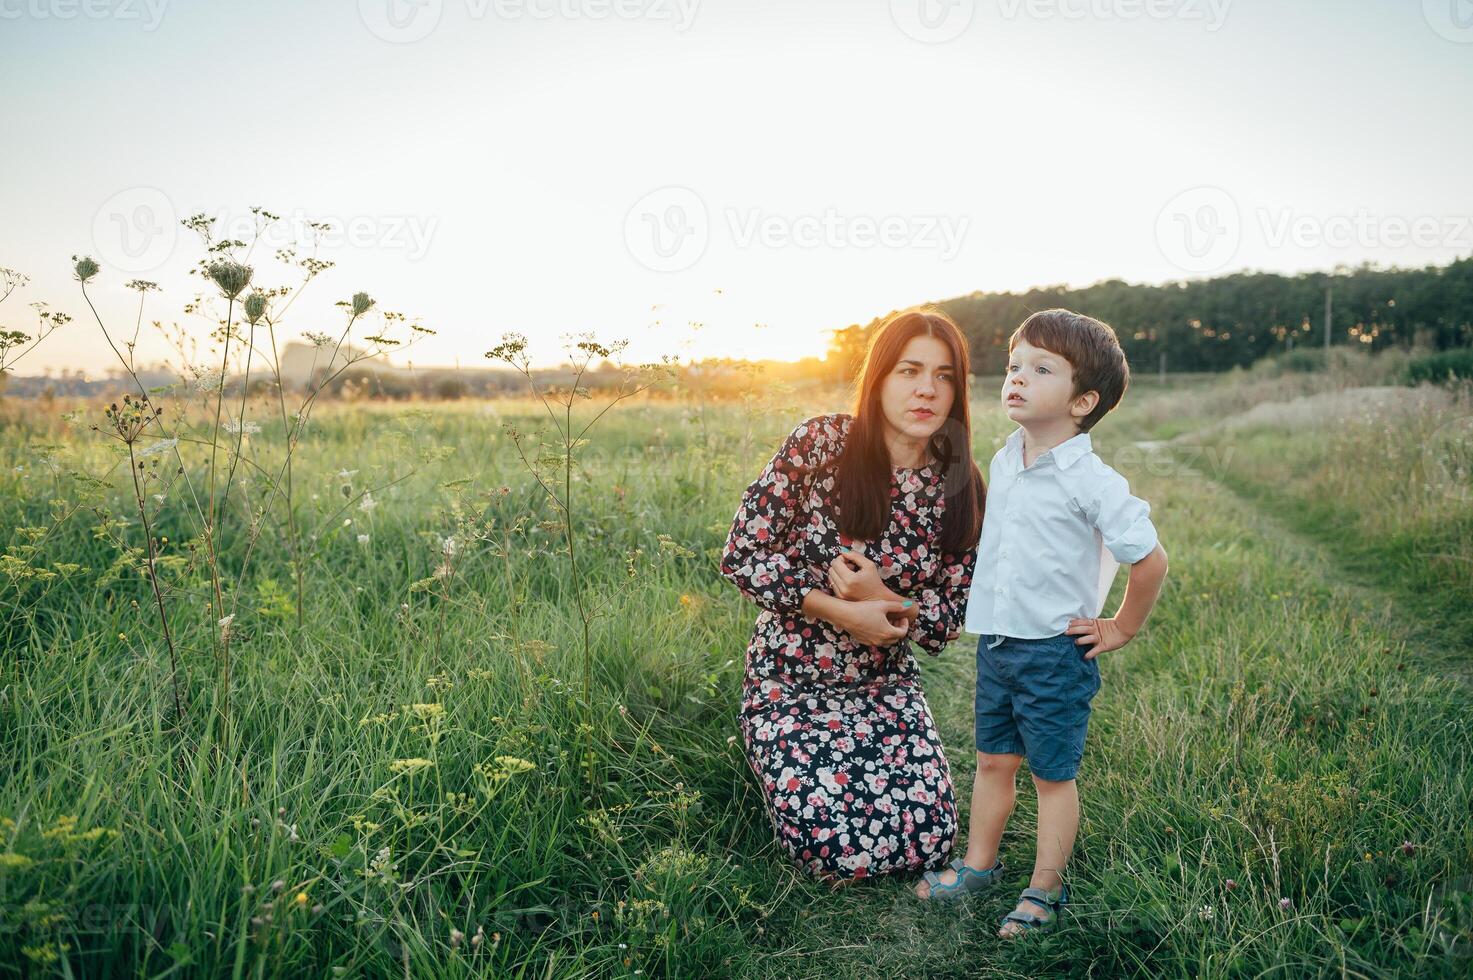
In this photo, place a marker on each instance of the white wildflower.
(318, 340)
(1205, 913)
(447, 546)
(224, 625)
(367, 503)
(346, 475)
(207, 381)
(162, 446)
(234, 425)
(363, 540)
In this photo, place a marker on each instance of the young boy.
(1058, 522)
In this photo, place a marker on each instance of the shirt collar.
(1064, 454)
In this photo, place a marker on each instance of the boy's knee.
(1005, 763)
(1052, 785)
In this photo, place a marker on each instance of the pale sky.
(549, 166)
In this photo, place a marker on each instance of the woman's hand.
(854, 577)
(877, 622)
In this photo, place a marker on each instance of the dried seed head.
(84, 267)
(255, 307)
(231, 277)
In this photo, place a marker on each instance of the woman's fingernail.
(907, 603)
(843, 547)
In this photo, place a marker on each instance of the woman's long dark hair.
(864, 468)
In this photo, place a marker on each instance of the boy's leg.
(999, 754)
(1058, 823)
(993, 794)
(1054, 720)
(994, 790)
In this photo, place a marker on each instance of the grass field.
(418, 783)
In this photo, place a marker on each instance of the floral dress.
(838, 732)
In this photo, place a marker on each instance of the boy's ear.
(1084, 404)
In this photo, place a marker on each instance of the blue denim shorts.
(1033, 700)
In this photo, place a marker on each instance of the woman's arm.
(943, 602)
(754, 558)
(870, 621)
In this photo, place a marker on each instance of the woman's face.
(916, 395)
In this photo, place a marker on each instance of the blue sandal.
(968, 880)
(1030, 921)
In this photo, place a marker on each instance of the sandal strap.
(962, 866)
(1044, 898)
(962, 869)
(1027, 919)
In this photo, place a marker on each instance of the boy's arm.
(1142, 590)
(1124, 523)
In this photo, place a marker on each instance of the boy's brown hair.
(1090, 347)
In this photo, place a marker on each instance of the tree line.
(1219, 323)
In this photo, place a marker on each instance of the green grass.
(1386, 492)
(1268, 727)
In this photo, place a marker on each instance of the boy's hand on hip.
(1100, 635)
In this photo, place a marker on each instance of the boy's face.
(1038, 388)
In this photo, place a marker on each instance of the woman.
(857, 540)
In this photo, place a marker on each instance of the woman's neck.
(905, 452)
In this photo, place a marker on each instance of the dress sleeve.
(943, 601)
(758, 558)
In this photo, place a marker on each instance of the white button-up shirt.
(1053, 536)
